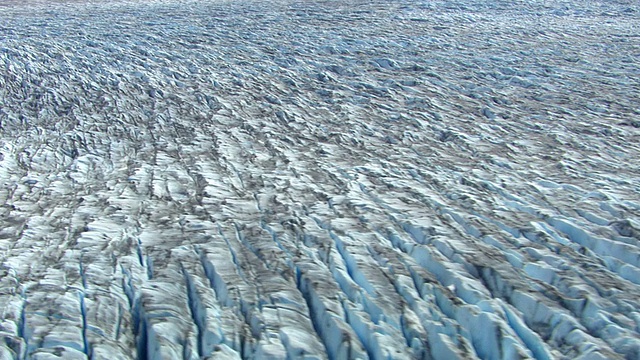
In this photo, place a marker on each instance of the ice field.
(320, 179)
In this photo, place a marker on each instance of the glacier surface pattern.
(317, 179)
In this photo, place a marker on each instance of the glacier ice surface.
(319, 180)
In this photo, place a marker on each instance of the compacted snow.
(320, 179)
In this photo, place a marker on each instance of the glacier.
(291, 179)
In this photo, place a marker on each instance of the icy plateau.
(320, 179)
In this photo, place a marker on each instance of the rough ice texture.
(313, 180)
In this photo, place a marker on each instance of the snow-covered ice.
(319, 179)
